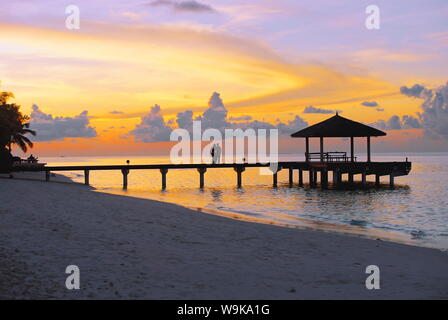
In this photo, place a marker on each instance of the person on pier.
(217, 153)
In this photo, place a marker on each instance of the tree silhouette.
(13, 124)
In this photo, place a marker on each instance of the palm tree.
(18, 137)
(13, 124)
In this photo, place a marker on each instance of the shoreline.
(159, 250)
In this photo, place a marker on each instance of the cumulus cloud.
(152, 127)
(395, 123)
(369, 104)
(416, 91)
(433, 117)
(410, 122)
(311, 109)
(242, 118)
(183, 6)
(51, 128)
(435, 112)
(185, 119)
(216, 114)
(292, 126)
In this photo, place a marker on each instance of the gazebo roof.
(338, 126)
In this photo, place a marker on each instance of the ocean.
(415, 212)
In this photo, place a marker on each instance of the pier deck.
(379, 169)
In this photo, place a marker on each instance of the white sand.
(135, 248)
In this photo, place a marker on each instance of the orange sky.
(110, 66)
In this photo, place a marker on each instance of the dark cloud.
(242, 118)
(51, 128)
(435, 113)
(410, 122)
(152, 127)
(185, 120)
(311, 109)
(216, 114)
(416, 91)
(395, 123)
(183, 6)
(370, 104)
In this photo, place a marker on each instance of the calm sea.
(414, 212)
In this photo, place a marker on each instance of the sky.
(135, 70)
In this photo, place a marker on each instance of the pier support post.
(300, 178)
(202, 172)
(392, 180)
(364, 179)
(350, 178)
(125, 173)
(377, 180)
(274, 180)
(324, 179)
(163, 171)
(336, 177)
(311, 177)
(86, 177)
(239, 171)
(47, 175)
(291, 177)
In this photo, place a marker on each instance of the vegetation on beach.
(14, 126)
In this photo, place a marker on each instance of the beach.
(131, 248)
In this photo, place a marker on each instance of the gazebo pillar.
(307, 147)
(321, 149)
(368, 150)
(352, 148)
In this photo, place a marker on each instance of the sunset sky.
(270, 61)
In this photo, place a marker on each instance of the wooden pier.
(315, 171)
(318, 164)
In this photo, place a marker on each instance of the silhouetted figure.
(217, 153)
(212, 153)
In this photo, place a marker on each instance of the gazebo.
(337, 127)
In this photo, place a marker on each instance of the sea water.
(414, 212)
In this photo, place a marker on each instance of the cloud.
(395, 123)
(216, 114)
(435, 113)
(242, 118)
(410, 122)
(292, 126)
(416, 91)
(380, 109)
(311, 109)
(152, 127)
(51, 128)
(116, 112)
(369, 104)
(182, 6)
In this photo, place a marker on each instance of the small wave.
(418, 234)
(358, 223)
